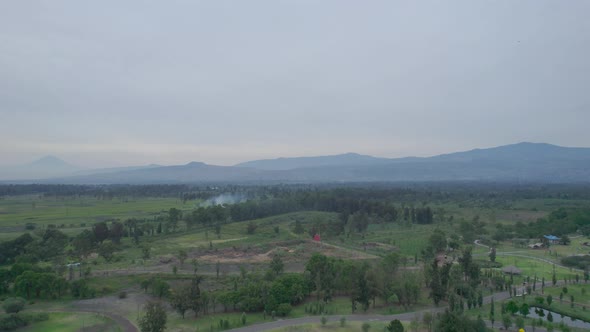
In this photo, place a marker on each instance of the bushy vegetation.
(16, 321)
(578, 262)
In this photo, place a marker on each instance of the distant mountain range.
(46, 167)
(347, 159)
(522, 162)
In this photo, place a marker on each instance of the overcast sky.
(112, 83)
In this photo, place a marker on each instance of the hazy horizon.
(112, 84)
(155, 163)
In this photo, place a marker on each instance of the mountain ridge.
(531, 162)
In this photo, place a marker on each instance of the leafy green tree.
(408, 289)
(196, 302)
(180, 300)
(480, 324)
(506, 321)
(276, 264)
(160, 288)
(182, 256)
(524, 309)
(284, 309)
(366, 327)
(288, 288)
(107, 250)
(84, 243)
(438, 240)
(361, 291)
(493, 254)
(437, 289)
(116, 231)
(389, 265)
(154, 318)
(100, 231)
(145, 252)
(519, 322)
(512, 307)
(321, 274)
(174, 216)
(395, 326)
(492, 312)
(251, 228)
(5, 280)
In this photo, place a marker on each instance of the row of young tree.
(559, 222)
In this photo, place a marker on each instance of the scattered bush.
(251, 228)
(284, 309)
(13, 305)
(16, 321)
(579, 262)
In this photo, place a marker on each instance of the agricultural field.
(74, 214)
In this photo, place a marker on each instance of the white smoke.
(224, 199)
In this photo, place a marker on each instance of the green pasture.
(17, 211)
(73, 322)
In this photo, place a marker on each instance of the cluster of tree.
(559, 222)
(578, 262)
(26, 248)
(468, 193)
(111, 191)
(457, 283)
(33, 282)
(11, 249)
(355, 213)
(15, 320)
(324, 277)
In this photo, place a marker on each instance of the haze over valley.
(294, 166)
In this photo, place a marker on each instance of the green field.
(73, 322)
(17, 211)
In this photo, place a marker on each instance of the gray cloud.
(116, 83)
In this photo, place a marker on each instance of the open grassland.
(531, 267)
(234, 246)
(17, 211)
(333, 326)
(73, 322)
